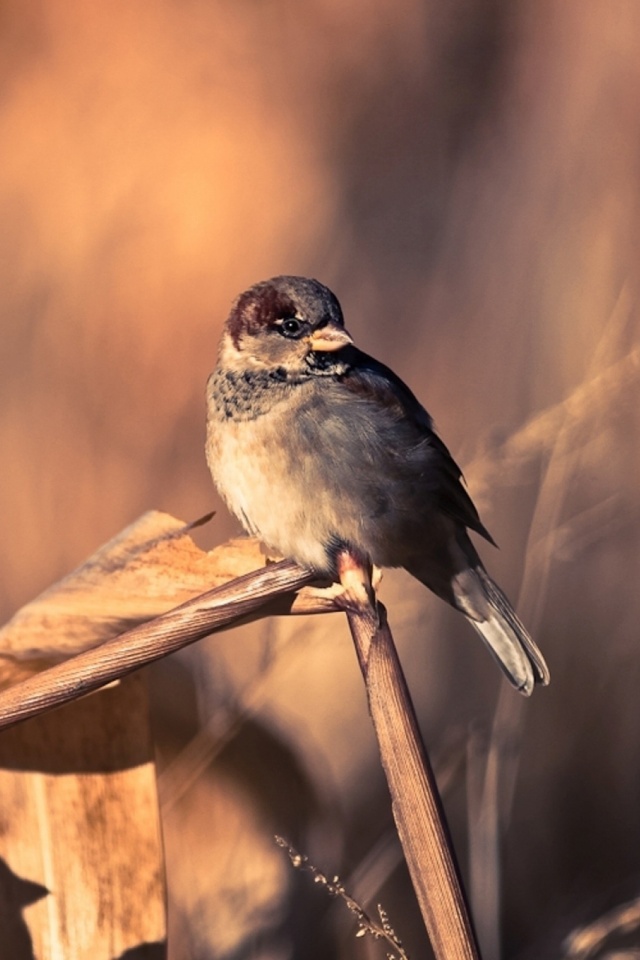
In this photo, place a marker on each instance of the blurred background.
(465, 177)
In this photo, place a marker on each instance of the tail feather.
(491, 614)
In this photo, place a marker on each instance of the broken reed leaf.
(227, 604)
(149, 568)
(80, 824)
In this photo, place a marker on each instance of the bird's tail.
(490, 613)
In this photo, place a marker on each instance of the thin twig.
(334, 886)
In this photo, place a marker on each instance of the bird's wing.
(373, 382)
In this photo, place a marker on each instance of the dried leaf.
(150, 567)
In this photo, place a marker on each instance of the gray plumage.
(316, 450)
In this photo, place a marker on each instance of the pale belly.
(283, 497)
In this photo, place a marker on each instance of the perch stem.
(416, 804)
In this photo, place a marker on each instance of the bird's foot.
(358, 582)
(336, 591)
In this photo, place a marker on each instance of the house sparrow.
(326, 455)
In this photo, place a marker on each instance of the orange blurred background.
(465, 177)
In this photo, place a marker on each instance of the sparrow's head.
(283, 322)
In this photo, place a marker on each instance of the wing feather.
(373, 382)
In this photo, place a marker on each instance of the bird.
(325, 454)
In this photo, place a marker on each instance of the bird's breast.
(313, 469)
(267, 472)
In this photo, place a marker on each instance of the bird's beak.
(329, 338)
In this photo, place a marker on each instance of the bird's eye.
(290, 327)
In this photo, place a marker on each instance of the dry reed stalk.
(416, 804)
(560, 434)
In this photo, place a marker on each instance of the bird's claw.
(356, 590)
